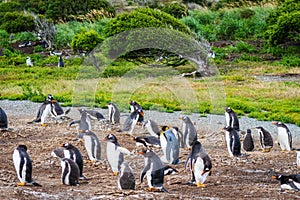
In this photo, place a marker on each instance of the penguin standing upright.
(232, 119)
(23, 166)
(152, 127)
(179, 136)
(131, 121)
(126, 179)
(298, 158)
(84, 122)
(232, 141)
(284, 136)
(92, 145)
(135, 106)
(248, 142)
(170, 147)
(60, 61)
(29, 62)
(199, 163)
(67, 150)
(265, 138)
(113, 113)
(153, 170)
(189, 132)
(70, 172)
(288, 182)
(3, 119)
(115, 153)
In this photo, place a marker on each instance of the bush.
(14, 22)
(4, 39)
(86, 41)
(175, 9)
(25, 36)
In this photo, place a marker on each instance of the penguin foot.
(283, 151)
(152, 189)
(91, 161)
(201, 185)
(21, 184)
(115, 173)
(266, 150)
(44, 125)
(188, 149)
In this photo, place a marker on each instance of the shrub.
(25, 36)
(4, 39)
(86, 41)
(14, 22)
(175, 9)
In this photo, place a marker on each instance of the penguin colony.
(168, 140)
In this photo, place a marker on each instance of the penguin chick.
(284, 136)
(92, 145)
(248, 142)
(126, 179)
(3, 119)
(266, 140)
(232, 141)
(189, 132)
(131, 121)
(288, 182)
(113, 113)
(84, 122)
(23, 166)
(232, 119)
(70, 172)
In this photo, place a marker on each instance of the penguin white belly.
(45, 113)
(148, 126)
(163, 144)
(65, 166)
(112, 156)
(228, 137)
(298, 159)
(88, 146)
(185, 136)
(17, 162)
(227, 118)
(149, 177)
(283, 139)
(198, 169)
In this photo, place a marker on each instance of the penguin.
(92, 145)
(93, 114)
(233, 141)
(43, 110)
(265, 138)
(298, 158)
(126, 179)
(200, 164)
(152, 127)
(179, 136)
(284, 136)
(70, 172)
(115, 153)
(288, 182)
(131, 121)
(153, 170)
(67, 150)
(60, 61)
(29, 62)
(23, 166)
(147, 141)
(84, 122)
(168, 170)
(135, 106)
(113, 113)
(248, 142)
(3, 119)
(170, 147)
(232, 119)
(189, 132)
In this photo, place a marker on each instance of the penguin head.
(111, 138)
(170, 170)
(176, 128)
(132, 103)
(165, 128)
(50, 97)
(67, 145)
(278, 124)
(248, 131)
(259, 128)
(142, 150)
(22, 147)
(186, 119)
(282, 178)
(228, 109)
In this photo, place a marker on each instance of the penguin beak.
(61, 145)
(274, 177)
(180, 118)
(132, 138)
(274, 122)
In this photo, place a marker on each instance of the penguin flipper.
(74, 122)
(123, 150)
(36, 184)
(143, 173)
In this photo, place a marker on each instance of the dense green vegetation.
(251, 44)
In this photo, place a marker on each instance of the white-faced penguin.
(131, 121)
(126, 179)
(288, 182)
(23, 166)
(70, 172)
(153, 170)
(3, 119)
(68, 150)
(189, 132)
(265, 138)
(113, 113)
(284, 136)
(152, 127)
(232, 119)
(60, 61)
(135, 106)
(115, 153)
(248, 142)
(232, 141)
(199, 163)
(84, 122)
(147, 141)
(92, 145)
(170, 147)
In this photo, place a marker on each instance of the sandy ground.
(232, 178)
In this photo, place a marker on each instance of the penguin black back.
(3, 119)
(248, 142)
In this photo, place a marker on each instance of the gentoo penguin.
(199, 163)
(189, 132)
(70, 172)
(115, 153)
(92, 145)
(170, 147)
(147, 141)
(93, 114)
(60, 61)
(232, 119)
(298, 158)
(135, 106)
(232, 141)
(84, 122)
(152, 127)
(3, 119)
(153, 170)
(23, 166)
(265, 138)
(284, 136)
(248, 142)
(29, 62)
(113, 113)
(168, 170)
(288, 182)
(67, 150)
(126, 179)
(131, 121)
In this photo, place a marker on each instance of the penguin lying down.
(288, 182)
